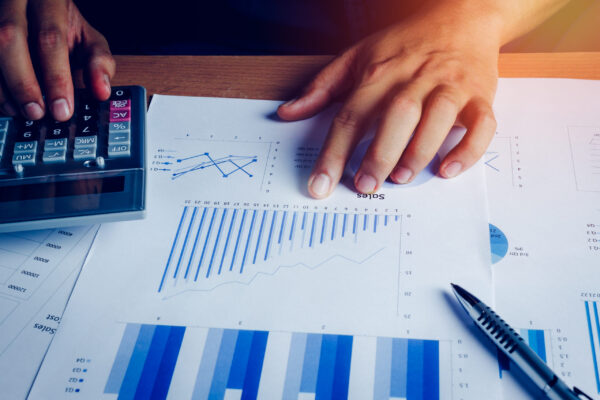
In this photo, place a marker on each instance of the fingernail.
(402, 175)
(9, 109)
(106, 82)
(320, 185)
(33, 110)
(366, 184)
(452, 169)
(60, 110)
(290, 102)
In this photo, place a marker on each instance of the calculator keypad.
(98, 131)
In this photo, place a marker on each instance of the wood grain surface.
(282, 77)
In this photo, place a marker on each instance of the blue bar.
(344, 225)
(248, 240)
(414, 378)
(532, 341)
(282, 227)
(310, 367)
(293, 375)
(399, 367)
(383, 369)
(240, 360)
(385, 221)
(326, 367)
(431, 370)
(117, 373)
(255, 364)
(185, 241)
(396, 218)
(541, 345)
(590, 332)
(227, 240)
(167, 365)
(303, 220)
(354, 224)
(260, 231)
(162, 281)
(210, 225)
(366, 220)
(343, 358)
(223, 364)
(375, 224)
(187, 270)
(323, 228)
(293, 225)
(270, 235)
(155, 354)
(333, 226)
(237, 241)
(597, 330)
(207, 364)
(312, 230)
(136, 362)
(212, 256)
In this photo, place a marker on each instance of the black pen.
(513, 345)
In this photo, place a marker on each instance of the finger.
(394, 131)
(346, 129)
(481, 127)
(15, 62)
(50, 19)
(333, 80)
(438, 118)
(6, 105)
(100, 64)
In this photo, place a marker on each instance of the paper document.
(239, 285)
(37, 273)
(543, 170)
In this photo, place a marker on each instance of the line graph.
(226, 165)
(215, 246)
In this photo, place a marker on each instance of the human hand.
(55, 30)
(423, 75)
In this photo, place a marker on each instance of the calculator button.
(4, 124)
(25, 147)
(57, 131)
(3, 135)
(87, 118)
(55, 144)
(86, 141)
(119, 127)
(1, 150)
(84, 153)
(120, 93)
(55, 156)
(119, 150)
(116, 105)
(86, 130)
(119, 137)
(24, 158)
(120, 115)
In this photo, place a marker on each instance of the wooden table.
(281, 77)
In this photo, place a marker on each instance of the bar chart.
(212, 246)
(540, 342)
(250, 364)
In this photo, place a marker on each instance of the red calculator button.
(120, 115)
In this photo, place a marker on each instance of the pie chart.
(425, 175)
(498, 244)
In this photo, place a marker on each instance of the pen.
(513, 345)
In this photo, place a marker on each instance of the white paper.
(233, 241)
(543, 171)
(39, 269)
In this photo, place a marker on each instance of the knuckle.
(50, 37)
(25, 89)
(347, 119)
(418, 154)
(406, 105)
(380, 159)
(373, 72)
(9, 32)
(487, 119)
(445, 100)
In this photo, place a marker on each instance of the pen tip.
(464, 295)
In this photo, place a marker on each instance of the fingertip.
(319, 185)
(33, 111)
(365, 183)
(402, 175)
(60, 109)
(101, 86)
(451, 169)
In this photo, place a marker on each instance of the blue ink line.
(212, 256)
(260, 231)
(333, 227)
(237, 241)
(212, 220)
(270, 235)
(227, 240)
(187, 269)
(323, 228)
(312, 230)
(282, 227)
(248, 240)
(162, 281)
(293, 225)
(344, 225)
(185, 242)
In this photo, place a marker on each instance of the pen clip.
(579, 393)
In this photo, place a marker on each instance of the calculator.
(87, 170)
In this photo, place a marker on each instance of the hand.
(55, 30)
(423, 75)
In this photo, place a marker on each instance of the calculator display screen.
(114, 184)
